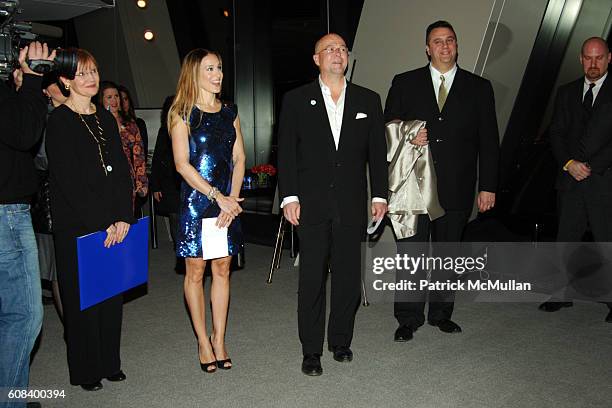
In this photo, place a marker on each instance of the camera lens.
(66, 63)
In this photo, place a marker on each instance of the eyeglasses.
(82, 75)
(332, 49)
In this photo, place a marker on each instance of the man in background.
(581, 138)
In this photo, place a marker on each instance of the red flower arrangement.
(268, 169)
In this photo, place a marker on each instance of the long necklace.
(100, 141)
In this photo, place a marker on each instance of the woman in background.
(165, 182)
(41, 204)
(127, 106)
(133, 146)
(209, 155)
(91, 190)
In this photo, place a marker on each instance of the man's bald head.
(331, 55)
(595, 42)
(327, 40)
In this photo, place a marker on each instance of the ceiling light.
(148, 35)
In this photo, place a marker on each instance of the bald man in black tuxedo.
(330, 132)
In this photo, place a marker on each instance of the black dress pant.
(586, 205)
(409, 307)
(337, 248)
(93, 335)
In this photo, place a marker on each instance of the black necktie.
(587, 102)
(587, 105)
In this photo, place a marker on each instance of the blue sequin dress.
(210, 152)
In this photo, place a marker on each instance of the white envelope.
(214, 240)
(361, 115)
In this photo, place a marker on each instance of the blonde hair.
(187, 89)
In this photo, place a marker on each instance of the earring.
(67, 86)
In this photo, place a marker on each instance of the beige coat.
(412, 178)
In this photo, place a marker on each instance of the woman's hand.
(224, 219)
(111, 236)
(122, 230)
(157, 195)
(229, 204)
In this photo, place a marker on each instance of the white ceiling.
(48, 10)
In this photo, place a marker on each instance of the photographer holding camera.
(22, 117)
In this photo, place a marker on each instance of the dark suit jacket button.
(331, 185)
(338, 165)
(435, 162)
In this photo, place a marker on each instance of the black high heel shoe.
(221, 364)
(205, 366)
(211, 364)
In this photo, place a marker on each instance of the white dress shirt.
(335, 112)
(596, 88)
(449, 77)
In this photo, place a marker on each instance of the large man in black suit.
(329, 132)
(462, 134)
(581, 138)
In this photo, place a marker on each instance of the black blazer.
(570, 123)
(463, 134)
(329, 182)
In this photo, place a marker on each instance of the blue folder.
(106, 272)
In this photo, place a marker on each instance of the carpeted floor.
(509, 355)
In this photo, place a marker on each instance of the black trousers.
(335, 247)
(93, 336)
(409, 309)
(587, 204)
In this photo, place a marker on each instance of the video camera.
(13, 32)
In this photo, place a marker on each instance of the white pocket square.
(361, 115)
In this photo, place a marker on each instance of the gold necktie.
(441, 94)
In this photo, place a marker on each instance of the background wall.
(115, 37)
(511, 43)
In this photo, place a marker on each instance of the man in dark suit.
(581, 138)
(459, 109)
(329, 132)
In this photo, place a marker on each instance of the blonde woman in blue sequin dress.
(209, 154)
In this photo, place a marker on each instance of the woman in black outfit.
(41, 204)
(165, 182)
(91, 190)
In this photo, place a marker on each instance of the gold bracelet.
(212, 194)
(566, 166)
